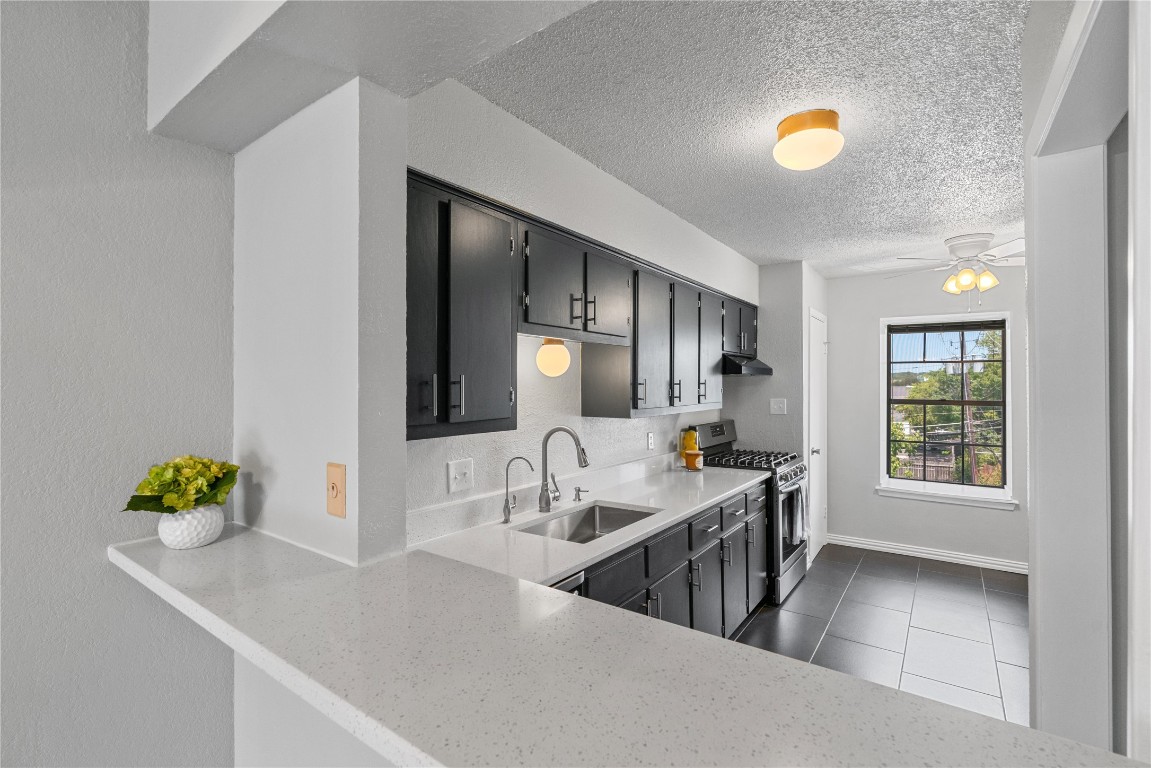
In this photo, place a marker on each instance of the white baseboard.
(979, 561)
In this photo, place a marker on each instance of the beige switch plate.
(337, 490)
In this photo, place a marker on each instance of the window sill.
(1003, 504)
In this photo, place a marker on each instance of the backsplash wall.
(542, 404)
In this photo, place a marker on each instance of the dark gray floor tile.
(954, 569)
(886, 593)
(947, 587)
(1012, 645)
(814, 599)
(888, 566)
(1016, 693)
(840, 554)
(953, 660)
(870, 625)
(1006, 607)
(951, 618)
(972, 701)
(1003, 581)
(832, 574)
(858, 660)
(791, 634)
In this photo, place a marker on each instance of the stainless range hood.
(744, 365)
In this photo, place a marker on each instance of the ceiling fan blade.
(916, 271)
(1010, 248)
(920, 258)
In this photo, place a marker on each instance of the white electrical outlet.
(778, 406)
(459, 475)
(651, 441)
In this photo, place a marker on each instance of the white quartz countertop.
(678, 494)
(430, 660)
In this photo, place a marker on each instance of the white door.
(817, 431)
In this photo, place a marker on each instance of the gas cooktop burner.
(742, 457)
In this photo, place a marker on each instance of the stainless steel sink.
(589, 523)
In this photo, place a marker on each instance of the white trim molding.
(1004, 503)
(979, 561)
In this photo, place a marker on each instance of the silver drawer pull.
(761, 498)
(738, 512)
(710, 528)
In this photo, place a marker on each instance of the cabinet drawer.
(734, 512)
(621, 578)
(668, 551)
(705, 529)
(756, 499)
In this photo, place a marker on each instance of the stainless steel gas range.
(787, 505)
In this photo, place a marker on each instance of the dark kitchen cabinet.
(756, 560)
(637, 603)
(685, 360)
(461, 323)
(553, 279)
(609, 295)
(669, 598)
(734, 557)
(652, 341)
(710, 348)
(707, 590)
(739, 328)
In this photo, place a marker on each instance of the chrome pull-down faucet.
(546, 496)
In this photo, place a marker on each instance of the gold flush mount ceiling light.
(808, 139)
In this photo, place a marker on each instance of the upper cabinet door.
(710, 348)
(609, 295)
(685, 331)
(427, 246)
(748, 326)
(481, 360)
(731, 331)
(652, 341)
(553, 279)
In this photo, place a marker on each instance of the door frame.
(815, 314)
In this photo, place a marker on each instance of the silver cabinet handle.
(703, 390)
(751, 535)
(710, 528)
(637, 386)
(761, 498)
(814, 451)
(658, 605)
(697, 568)
(738, 512)
(435, 395)
(572, 300)
(725, 553)
(590, 304)
(677, 386)
(463, 394)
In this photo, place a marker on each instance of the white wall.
(187, 39)
(461, 137)
(117, 354)
(1042, 33)
(278, 729)
(855, 307)
(319, 286)
(788, 292)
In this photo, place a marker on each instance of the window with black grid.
(946, 403)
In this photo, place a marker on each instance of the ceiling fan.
(971, 260)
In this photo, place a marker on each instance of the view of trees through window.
(947, 411)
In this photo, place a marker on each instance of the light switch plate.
(337, 490)
(778, 406)
(651, 441)
(459, 475)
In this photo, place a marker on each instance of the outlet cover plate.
(778, 406)
(651, 441)
(337, 489)
(459, 475)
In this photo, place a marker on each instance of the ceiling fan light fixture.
(966, 279)
(952, 285)
(987, 280)
(807, 140)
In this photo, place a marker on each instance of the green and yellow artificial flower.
(184, 483)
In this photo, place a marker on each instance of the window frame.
(972, 495)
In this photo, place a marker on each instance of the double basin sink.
(589, 523)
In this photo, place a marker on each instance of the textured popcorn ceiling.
(681, 100)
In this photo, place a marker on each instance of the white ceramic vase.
(191, 528)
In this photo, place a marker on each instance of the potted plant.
(189, 492)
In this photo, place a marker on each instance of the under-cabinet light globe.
(553, 358)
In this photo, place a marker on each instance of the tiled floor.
(953, 633)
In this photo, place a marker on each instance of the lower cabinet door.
(707, 590)
(670, 597)
(756, 560)
(734, 558)
(637, 602)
